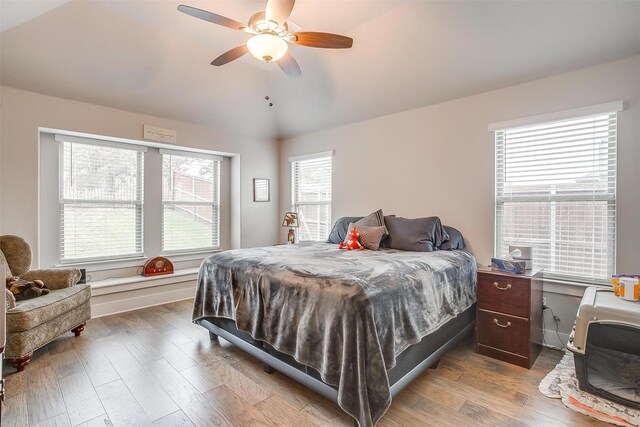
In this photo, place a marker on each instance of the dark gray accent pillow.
(375, 219)
(339, 231)
(455, 240)
(370, 237)
(385, 240)
(419, 235)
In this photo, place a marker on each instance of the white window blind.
(101, 200)
(556, 191)
(311, 195)
(191, 202)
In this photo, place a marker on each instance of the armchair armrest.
(11, 299)
(54, 278)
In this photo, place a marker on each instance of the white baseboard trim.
(127, 301)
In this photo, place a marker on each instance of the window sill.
(116, 264)
(130, 283)
(107, 264)
(566, 287)
(189, 256)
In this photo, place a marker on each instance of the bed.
(355, 326)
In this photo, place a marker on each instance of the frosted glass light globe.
(267, 47)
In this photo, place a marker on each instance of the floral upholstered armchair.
(33, 323)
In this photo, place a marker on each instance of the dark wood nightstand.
(509, 321)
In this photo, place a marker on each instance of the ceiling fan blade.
(278, 10)
(211, 17)
(323, 40)
(289, 65)
(230, 55)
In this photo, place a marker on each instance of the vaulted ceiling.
(144, 56)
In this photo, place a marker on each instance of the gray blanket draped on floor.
(347, 314)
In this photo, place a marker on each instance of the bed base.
(275, 363)
(432, 360)
(272, 362)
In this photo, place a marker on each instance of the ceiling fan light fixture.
(267, 47)
(272, 32)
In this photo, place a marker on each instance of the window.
(101, 207)
(190, 201)
(556, 190)
(311, 195)
(120, 200)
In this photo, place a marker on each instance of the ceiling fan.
(271, 37)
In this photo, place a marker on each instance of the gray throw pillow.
(420, 234)
(339, 231)
(370, 237)
(455, 240)
(375, 219)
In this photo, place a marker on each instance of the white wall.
(439, 160)
(23, 113)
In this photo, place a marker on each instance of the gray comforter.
(347, 314)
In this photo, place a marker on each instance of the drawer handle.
(506, 288)
(502, 326)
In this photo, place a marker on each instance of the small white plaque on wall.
(155, 133)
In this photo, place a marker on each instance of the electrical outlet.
(544, 301)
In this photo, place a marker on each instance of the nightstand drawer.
(503, 332)
(504, 294)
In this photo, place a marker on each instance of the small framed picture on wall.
(261, 190)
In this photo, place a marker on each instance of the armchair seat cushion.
(31, 313)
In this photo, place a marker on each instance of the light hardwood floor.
(153, 367)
